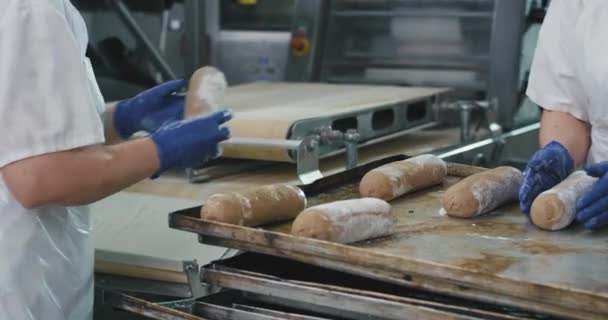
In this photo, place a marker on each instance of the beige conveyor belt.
(270, 110)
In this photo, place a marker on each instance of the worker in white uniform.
(569, 80)
(61, 148)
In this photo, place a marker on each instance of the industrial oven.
(472, 46)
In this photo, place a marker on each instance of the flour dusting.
(212, 88)
(359, 219)
(568, 192)
(490, 194)
(394, 175)
(396, 172)
(246, 207)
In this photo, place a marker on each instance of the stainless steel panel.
(309, 23)
(505, 51)
(195, 35)
(248, 56)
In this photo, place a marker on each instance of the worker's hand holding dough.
(205, 92)
(592, 208)
(548, 167)
(182, 144)
(149, 110)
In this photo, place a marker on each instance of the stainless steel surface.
(376, 122)
(351, 139)
(434, 43)
(248, 43)
(330, 301)
(465, 120)
(308, 160)
(411, 13)
(505, 149)
(110, 282)
(197, 289)
(248, 56)
(505, 50)
(289, 316)
(471, 46)
(125, 14)
(195, 46)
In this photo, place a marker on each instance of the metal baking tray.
(255, 288)
(497, 259)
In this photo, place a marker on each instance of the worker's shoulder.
(18, 9)
(567, 6)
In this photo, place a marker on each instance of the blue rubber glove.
(184, 143)
(592, 207)
(548, 167)
(150, 109)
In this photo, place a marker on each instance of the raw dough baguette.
(398, 178)
(555, 208)
(345, 221)
(205, 92)
(482, 192)
(255, 206)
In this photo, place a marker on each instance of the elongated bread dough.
(398, 178)
(255, 206)
(205, 92)
(555, 209)
(345, 221)
(482, 192)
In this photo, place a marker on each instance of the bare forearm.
(111, 135)
(571, 132)
(81, 176)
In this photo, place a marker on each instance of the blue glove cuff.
(123, 124)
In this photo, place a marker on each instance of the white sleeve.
(45, 102)
(553, 82)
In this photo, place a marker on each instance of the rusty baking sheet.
(342, 292)
(498, 258)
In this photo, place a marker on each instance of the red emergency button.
(300, 46)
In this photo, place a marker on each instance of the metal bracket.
(307, 152)
(488, 111)
(351, 141)
(308, 160)
(192, 271)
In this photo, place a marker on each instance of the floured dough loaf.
(205, 92)
(398, 178)
(345, 221)
(255, 206)
(482, 192)
(555, 209)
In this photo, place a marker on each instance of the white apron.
(49, 101)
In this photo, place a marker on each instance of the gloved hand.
(548, 167)
(184, 143)
(592, 208)
(150, 109)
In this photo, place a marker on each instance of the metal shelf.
(412, 13)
